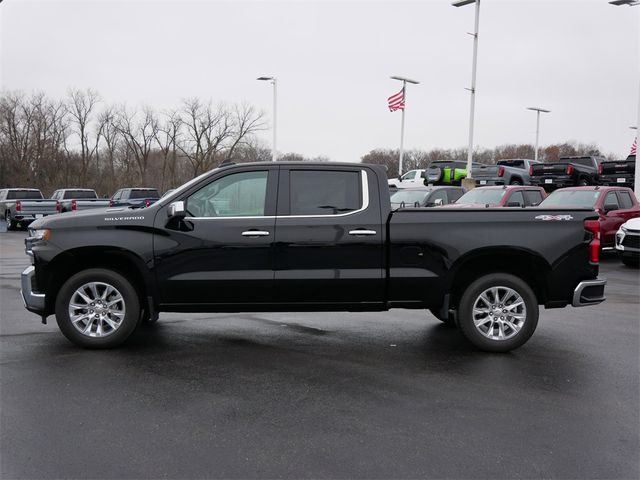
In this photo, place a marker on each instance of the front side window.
(237, 195)
(517, 198)
(439, 197)
(324, 192)
(611, 199)
(533, 197)
(410, 175)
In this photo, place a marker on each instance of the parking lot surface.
(323, 395)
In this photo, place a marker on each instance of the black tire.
(515, 181)
(473, 333)
(126, 326)
(11, 224)
(583, 182)
(631, 261)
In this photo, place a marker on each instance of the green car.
(446, 172)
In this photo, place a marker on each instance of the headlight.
(40, 234)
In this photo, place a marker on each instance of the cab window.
(237, 195)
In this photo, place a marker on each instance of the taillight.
(111, 203)
(569, 169)
(593, 226)
(74, 205)
(18, 206)
(147, 202)
(531, 170)
(501, 172)
(600, 169)
(58, 206)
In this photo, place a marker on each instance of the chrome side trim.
(577, 293)
(365, 205)
(362, 232)
(255, 233)
(34, 302)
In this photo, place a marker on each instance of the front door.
(222, 252)
(328, 237)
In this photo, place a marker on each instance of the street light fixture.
(274, 82)
(537, 110)
(636, 179)
(404, 81)
(469, 182)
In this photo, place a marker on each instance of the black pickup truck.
(305, 236)
(566, 172)
(619, 173)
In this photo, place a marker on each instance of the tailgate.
(549, 169)
(611, 168)
(484, 171)
(34, 207)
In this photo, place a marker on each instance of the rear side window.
(323, 192)
(532, 197)
(516, 198)
(611, 199)
(625, 200)
(24, 195)
(144, 194)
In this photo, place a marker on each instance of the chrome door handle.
(362, 232)
(255, 233)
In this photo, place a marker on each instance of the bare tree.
(82, 104)
(138, 132)
(166, 136)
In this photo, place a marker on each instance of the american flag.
(396, 102)
(634, 147)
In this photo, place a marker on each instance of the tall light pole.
(636, 179)
(468, 182)
(404, 99)
(537, 110)
(274, 82)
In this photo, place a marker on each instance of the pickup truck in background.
(23, 205)
(308, 236)
(567, 172)
(134, 197)
(504, 172)
(73, 199)
(614, 206)
(619, 172)
(425, 196)
(413, 178)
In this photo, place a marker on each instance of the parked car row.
(567, 172)
(21, 206)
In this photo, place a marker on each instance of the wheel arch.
(522, 263)
(123, 261)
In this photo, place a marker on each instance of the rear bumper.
(489, 181)
(553, 182)
(34, 302)
(589, 292)
(621, 180)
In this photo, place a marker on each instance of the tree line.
(81, 141)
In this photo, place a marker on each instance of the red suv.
(615, 205)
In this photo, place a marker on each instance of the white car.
(413, 178)
(628, 242)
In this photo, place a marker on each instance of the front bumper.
(33, 301)
(628, 241)
(589, 292)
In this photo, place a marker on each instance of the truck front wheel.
(97, 308)
(498, 312)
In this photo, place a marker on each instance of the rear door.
(329, 237)
(612, 220)
(628, 209)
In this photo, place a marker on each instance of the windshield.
(573, 198)
(409, 197)
(185, 186)
(482, 195)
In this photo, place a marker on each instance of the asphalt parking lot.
(327, 395)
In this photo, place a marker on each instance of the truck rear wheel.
(498, 312)
(11, 225)
(97, 308)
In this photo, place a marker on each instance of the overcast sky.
(333, 60)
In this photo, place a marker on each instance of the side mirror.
(177, 210)
(438, 202)
(608, 207)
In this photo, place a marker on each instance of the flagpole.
(404, 101)
(404, 96)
